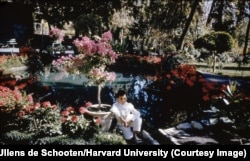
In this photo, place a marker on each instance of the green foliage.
(224, 42)
(15, 136)
(75, 125)
(107, 138)
(59, 140)
(88, 24)
(13, 100)
(120, 48)
(126, 63)
(44, 120)
(34, 63)
(215, 41)
(235, 104)
(170, 48)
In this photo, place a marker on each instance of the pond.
(73, 91)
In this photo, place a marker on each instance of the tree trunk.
(189, 20)
(209, 18)
(99, 96)
(246, 38)
(214, 61)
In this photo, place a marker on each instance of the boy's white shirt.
(126, 111)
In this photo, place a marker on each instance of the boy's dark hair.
(120, 93)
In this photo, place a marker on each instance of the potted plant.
(92, 59)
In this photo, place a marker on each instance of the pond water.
(75, 92)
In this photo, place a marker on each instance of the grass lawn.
(229, 69)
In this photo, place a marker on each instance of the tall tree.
(223, 16)
(216, 43)
(188, 22)
(247, 10)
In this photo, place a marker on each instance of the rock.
(184, 126)
(174, 135)
(226, 120)
(180, 137)
(149, 138)
(196, 125)
(213, 121)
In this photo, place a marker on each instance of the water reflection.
(73, 93)
(147, 102)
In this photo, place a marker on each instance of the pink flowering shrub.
(98, 75)
(42, 119)
(57, 34)
(18, 111)
(92, 60)
(13, 100)
(75, 123)
(151, 59)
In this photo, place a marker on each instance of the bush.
(107, 138)
(14, 137)
(43, 119)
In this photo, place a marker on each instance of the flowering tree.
(57, 34)
(92, 60)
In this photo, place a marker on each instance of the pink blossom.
(70, 109)
(65, 113)
(82, 110)
(46, 104)
(30, 98)
(74, 118)
(97, 120)
(21, 114)
(88, 104)
(57, 34)
(92, 59)
(107, 36)
(111, 76)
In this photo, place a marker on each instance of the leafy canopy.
(215, 41)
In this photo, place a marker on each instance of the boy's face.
(122, 99)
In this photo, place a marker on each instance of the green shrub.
(17, 137)
(60, 140)
(43, 119)
(107, 138)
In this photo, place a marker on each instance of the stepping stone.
(149, 138)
